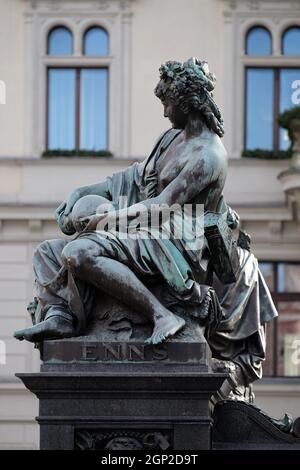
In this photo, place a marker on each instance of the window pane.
(61, 109)
(291, 41)
(288, 350)
(259, 106)
(268, 364)
(287, 77)
(259, 42)
(267, 270)
(60, 42)
(93, 109)
(96, 42)
(288, 277)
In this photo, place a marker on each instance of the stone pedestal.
(124, 395)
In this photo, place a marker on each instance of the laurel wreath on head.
(189, 85)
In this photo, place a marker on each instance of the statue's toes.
(154, 339)
(157, 337)
(149, 340)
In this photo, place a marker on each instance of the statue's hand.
(67, 205)
(233, 218)
(63, 213)
(91, 222)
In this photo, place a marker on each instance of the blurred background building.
(77, 77)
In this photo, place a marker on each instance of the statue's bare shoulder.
(201, 157)
(210, 152)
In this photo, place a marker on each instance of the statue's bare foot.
(55, 327)
(164, 327)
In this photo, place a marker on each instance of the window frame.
(39, 19)
(280, 297)
(59, 26)
(246, 39)
(83, 45)
(285, 30)
(276, 109)
(238, 19)
(77, 103)
(77, 60)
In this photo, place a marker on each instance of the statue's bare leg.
(114, 277)
(83, 258)
(58, 321)
(119, 280)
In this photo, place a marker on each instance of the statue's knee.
(40, 250)
(73, 256)
(48, 249)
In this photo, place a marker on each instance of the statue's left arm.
(197, 175)
(194, 178)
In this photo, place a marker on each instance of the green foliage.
(76, 153)
(267, 154)
(285, 120)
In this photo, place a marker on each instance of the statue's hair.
(189, 85)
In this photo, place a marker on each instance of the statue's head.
(187, 87)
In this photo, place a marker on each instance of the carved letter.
(160, 352)
(88, 352)
(139, 351)
(109, 350)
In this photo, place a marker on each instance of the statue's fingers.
(69, 206)
(60, 208)
(91, 225)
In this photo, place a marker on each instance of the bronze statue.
(187, 165)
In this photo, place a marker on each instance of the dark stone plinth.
(88, 354)
(131, 395)
(239, 426)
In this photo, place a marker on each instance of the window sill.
(280, 380)
(278, 387)
(63, 160)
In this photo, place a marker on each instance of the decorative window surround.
(40, 17)
(239, 17)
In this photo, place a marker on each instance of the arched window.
(60, 41)
(269, 89)
(258, 41)
(96, 42)
(291, 41)
(78, 95)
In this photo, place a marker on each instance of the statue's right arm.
(99, 189)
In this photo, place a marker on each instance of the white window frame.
(239, 17)
(40, 18)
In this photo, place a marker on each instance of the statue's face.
(176, 116)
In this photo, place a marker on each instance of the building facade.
(76, 85)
